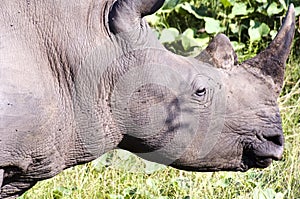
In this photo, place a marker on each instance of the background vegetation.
(185, 27)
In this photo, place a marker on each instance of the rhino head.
(207, 113)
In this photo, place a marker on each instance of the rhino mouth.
(251, 161)
(262, 155)
(263, 162)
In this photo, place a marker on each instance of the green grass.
(280, 180)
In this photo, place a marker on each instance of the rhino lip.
(252, 161)
(262, 157)
(261, 152)
(273, 152)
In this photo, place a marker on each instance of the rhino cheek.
(157, 112)
(149, 108)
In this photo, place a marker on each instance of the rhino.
(81, 77)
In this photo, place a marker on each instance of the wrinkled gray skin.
(79, 78)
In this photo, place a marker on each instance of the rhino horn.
(219, 53)
(126, 15)
(271, 61)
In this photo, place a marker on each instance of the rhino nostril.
(276, 139)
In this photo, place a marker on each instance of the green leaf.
(258, 30)
(297, 11)
(212, 25)
(273, 9)
(188, 7)
(170, 4)
(187, 39)
(282, 2)
(239, 9)
(169, 35)
(264, 30)
(153, 19)
(263, 9)
(227, 3)
(202, 41)
(262, 1)
(273, 34)
(235, 28)
(254, 31)
(189, 33)
(237, 46)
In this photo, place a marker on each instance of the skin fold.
(80, 78)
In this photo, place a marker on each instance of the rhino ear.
(271, 62)
(219, 53)
(126, 15)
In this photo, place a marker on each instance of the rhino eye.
(200, 92)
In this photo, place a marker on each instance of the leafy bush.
(250, 24)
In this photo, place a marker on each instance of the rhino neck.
(85, 64)
(73, 48)
(95, 86)
(58, 70)
(77, 60)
